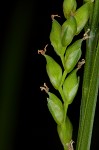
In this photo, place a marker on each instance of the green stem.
(63, 77)
(62, 59)
(91, 45)
(90, 49)
(60, 87)
(90, 85)
(65, 110)
(61, 93)
(95, 19)
(85, 131)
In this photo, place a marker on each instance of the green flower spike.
(69, 29)
(55, 105)
(69, 7)
(55, 37)
(70, 86)
(65, 133)
(82, 15)
(73, 54)
(54, 73)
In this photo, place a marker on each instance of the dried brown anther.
(53, 16)
(86, 36)
(80, 63)
(86, 33)
(44, 88)
(70, 145)
(43, 51)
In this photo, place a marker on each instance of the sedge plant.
(65, 78)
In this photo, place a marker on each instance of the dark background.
(24, 117)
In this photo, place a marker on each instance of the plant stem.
(61, 93)
(62, 59)
(63, 77)
(60, 87)
(90, 84)
(85, 131)
(65, 110)
(91, 44)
